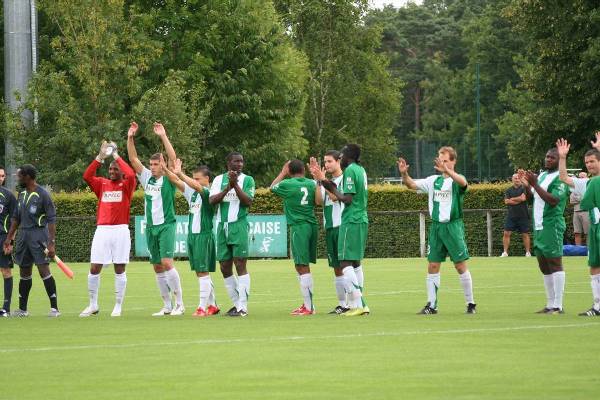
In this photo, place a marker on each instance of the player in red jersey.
(112, 243)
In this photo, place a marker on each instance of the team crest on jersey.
(33, 209)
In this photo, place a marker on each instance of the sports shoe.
(163, 311)
(53, 313)
(557, 310)
(18, 313)
(89, 311)
(471, 308)
(297, 310)
(116, 312)
(592, 312)
(428, 310)
(231, 311)
(355, 312)
(239, 313)
(304, 311)
(212, 310)
(545, 310)
(504, 254)
(4, 313)
(527, 254)
(339, 310)
(200, 313)
(178, 310)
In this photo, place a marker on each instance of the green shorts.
(232, 240)
(548, 242)
(331, 239)
(593, 242)
(161, 242)
(201, 252)
(303, 242)
(352, 241)
(447, 239)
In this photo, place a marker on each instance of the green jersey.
(159, 198)
(298, 196)
(354, 181)
(544, 212)
(445, 197)
(201, 212)
(231, 209)
(591, 196)
(332, 210)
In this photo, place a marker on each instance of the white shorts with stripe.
(111, 245)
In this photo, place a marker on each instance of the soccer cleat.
(304, 311)
(212, 310)
(239, 313)
(116, 312)
(471, 308)
(556, 310)
(18, 313)
(504, 254)
(297, 310)
(355, 312)
(53, 313)
(231, 311)
(89, 311)
(163, 311)
(200, 313)
(4, 313)
(178, 310)
(592, 312)
(339, 310)
(428, 310)
(545, 310)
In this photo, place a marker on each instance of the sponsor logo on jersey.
(195, 208)
(115, 196)
(442, 196)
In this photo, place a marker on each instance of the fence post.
(490, 241)
(422, 234)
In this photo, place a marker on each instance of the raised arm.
(406, 179)
(160, 131)
(282, 174)
(131, 151)
(563, 149)
(171, 175)
(178, 170)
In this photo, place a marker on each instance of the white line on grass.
(293, 338)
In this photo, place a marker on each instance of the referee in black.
(36, 220)
(8, 209)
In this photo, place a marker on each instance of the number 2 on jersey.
(304, 201)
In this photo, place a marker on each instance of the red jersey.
(114, 197)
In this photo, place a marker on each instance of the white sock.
(244, 289)
(595, 280)
(205, 290)
(120, 287)
(306, 288)
(175, 285)
(231, 284)
(549, 284)
(559, 288)
(433, 284)
(339, 282)
(352, 288)
(467, 284)
(163, 287)
(93, 286)
(212, 298)
(360, 276)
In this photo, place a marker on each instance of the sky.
(395, 3)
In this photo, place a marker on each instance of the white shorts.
(111, 245)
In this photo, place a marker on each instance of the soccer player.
(36, 221)
(579, 187)
(112, 242)
(354, 224)
(447, 232)
(159, 202)
(298, 194)
(332, 218)
(549, 199)
(232, 193)
(8, 209)
(200, 240)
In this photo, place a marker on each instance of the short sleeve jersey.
(445, 197)
(298, 196)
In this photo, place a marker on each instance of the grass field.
(504, 352)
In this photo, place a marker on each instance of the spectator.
(581, 219)
(517, 217)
